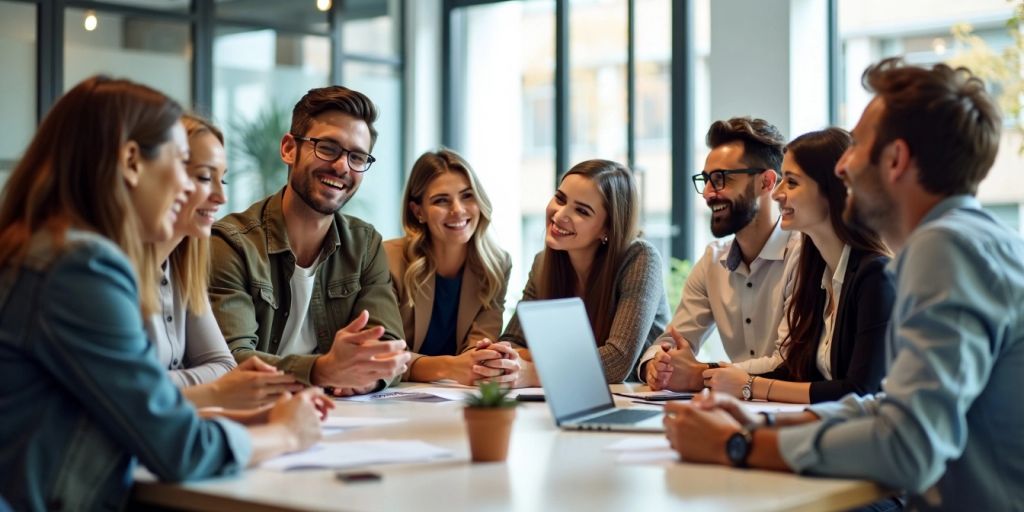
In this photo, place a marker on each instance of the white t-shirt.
(299, 337)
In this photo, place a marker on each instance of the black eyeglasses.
(717, 178)
(330, 151)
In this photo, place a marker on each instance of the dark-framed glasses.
(330, 151)
(717, 178)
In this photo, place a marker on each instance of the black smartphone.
(529, 397)
(351, 477)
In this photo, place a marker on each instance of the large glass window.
(972, 34)
(151, 51)
(17, 103)
(597, 80)
(258, 76)
(652, 130)
(379, 196)
(505, 54)
(371, 27)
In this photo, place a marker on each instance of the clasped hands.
(675, 368)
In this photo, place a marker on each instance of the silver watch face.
(746, 392)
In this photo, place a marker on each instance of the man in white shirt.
(739, 285)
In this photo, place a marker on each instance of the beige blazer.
(473, 322)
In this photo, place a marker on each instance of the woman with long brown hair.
(83, 393)
(449, 276)
(593, 250)
(832, 335)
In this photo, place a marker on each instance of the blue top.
(82, 395)
(440, 338)
(947, 426)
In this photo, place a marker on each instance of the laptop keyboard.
(623, 416)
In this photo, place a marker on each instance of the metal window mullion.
(562, 99)
(682, 127)
(202, 56)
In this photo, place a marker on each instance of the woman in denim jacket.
(83, 395)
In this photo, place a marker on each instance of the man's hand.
(710, 400)
(699, 434)
(358, 358)
(674, 367)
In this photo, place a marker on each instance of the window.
(258, 76)
(868, 36)
(151, 51)
(505, 108)
(17, 103)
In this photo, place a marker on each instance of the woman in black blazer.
(831, 340)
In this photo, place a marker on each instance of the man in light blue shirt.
(948, 427)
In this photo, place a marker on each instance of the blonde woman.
(449, 276)
(184, 331)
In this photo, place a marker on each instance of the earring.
(420, 219)
(604, 240)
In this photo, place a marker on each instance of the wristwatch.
(748, 388)
(712, 366)
(737, 447)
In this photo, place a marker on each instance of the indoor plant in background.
(489, 414)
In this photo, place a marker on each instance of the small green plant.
(490, 395)
(679, 270)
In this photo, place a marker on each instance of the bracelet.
(768, 393)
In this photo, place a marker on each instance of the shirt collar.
(774, 249)
(950, 203)
(840, 273)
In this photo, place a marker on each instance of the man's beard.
(871, 209)
(741, 212)
(304, 185)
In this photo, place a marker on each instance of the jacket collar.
(277, 233)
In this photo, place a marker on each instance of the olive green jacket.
(252, 265)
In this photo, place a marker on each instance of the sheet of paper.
(639, 442)
(756, 407)
(526, 391)
(335, 424)
(643, 449)
(399, 396)
(339, 455)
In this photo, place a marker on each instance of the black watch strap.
(769, 418)
(712, 366)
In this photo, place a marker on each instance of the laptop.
(565, 354)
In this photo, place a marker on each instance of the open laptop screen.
(562, 345)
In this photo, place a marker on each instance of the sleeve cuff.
(238, 442)
(798, 445)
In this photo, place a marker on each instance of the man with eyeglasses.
(739, 285)
(299, 284)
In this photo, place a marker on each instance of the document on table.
(756, 407)
(335, 424)
(657, 396)
(413, 394)
(643, 449)
(328, 455)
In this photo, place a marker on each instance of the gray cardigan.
(191, 347)
(641, 310)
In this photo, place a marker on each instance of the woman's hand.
(300, 414)
(487, 361)
(726, 380)
(251, 385)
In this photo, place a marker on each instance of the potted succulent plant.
(489, 414)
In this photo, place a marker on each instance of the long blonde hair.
(190, 260)
(70, 175)
(483, 256)
(558, 279)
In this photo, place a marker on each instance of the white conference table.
(547, 469)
